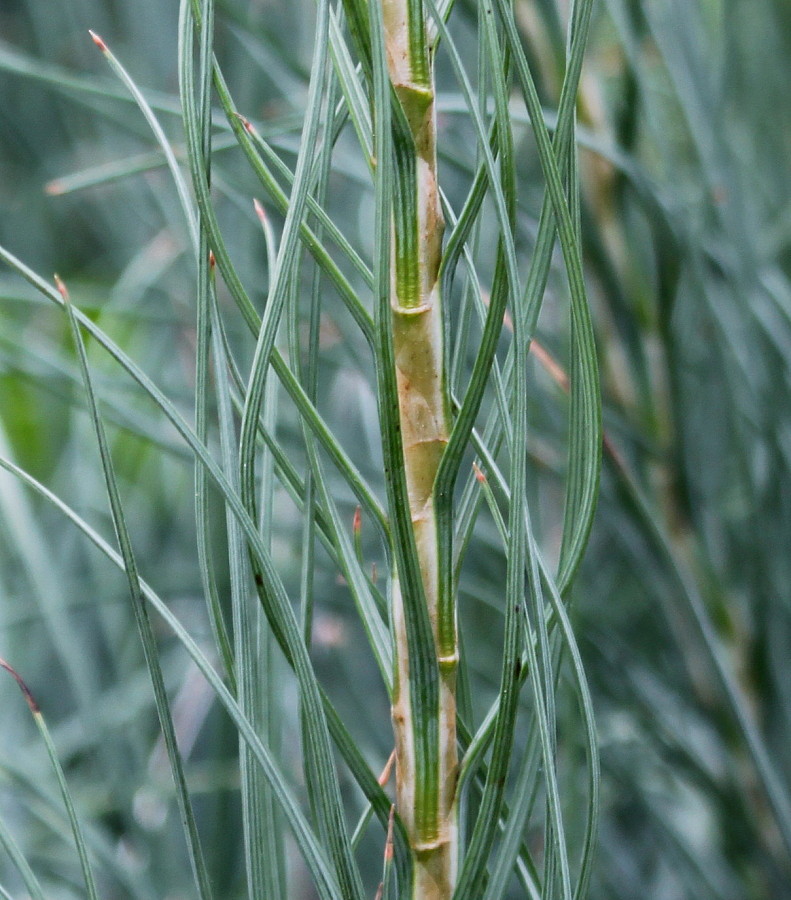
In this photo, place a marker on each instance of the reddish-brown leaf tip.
(357, 522)
(53, 188)
(212, 260)
(259, 211)
(385, 776)
(62, 289)
(389, 844)
(98, 41)
(34, 707)
(248, 125)
(478, 473)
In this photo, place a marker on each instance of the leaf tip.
(246, 123)
(389, 843)
(62, 289)
(259, 211)
(98, 41)
(385, 776)
(29, 698)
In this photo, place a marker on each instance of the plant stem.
(423, 410)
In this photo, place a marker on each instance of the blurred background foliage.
(682, 608)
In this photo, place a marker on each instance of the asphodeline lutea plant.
(468, 787)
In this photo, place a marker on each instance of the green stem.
(425, 800)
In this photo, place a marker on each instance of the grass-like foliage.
(393, 483)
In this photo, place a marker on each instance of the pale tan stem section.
(418, 338)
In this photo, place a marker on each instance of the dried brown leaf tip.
(385, 776)
(389, 844)
(212, 260)
(34, 707)
(62, 289)
(357, 522)
(98, 41)
(479, 473)
(248, 125)
(259, 211)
